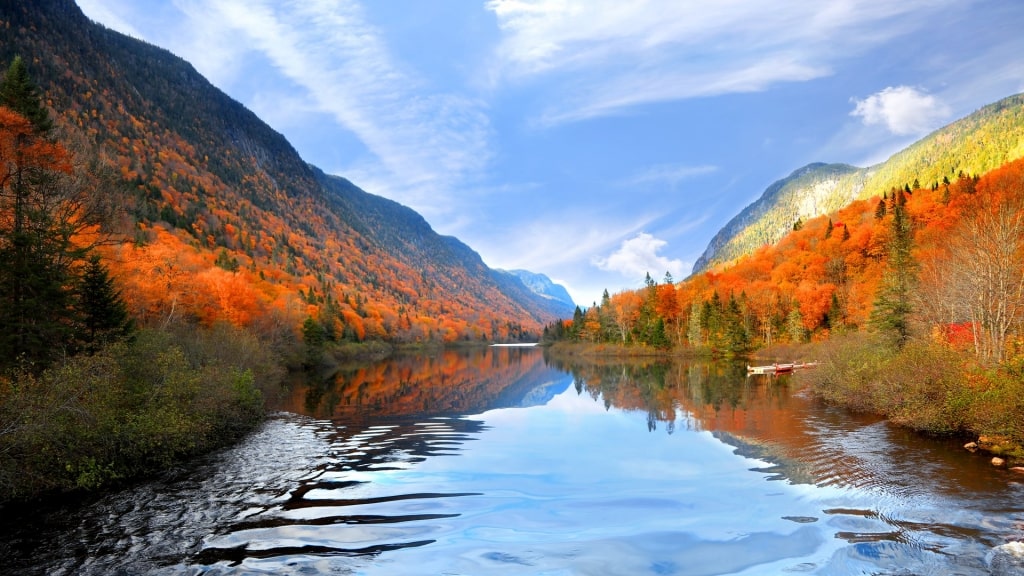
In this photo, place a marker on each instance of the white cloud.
(902, 110)
(423, 143)
(607, 55)
(638, 256)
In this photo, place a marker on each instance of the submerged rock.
(997, 461)
(1007, 560)
(972, 446)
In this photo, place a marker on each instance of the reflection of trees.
(712, 395)
(450, 382)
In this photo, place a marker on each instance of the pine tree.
(103, 314)
(892, 307)
(37, 256)
(880, 210)
(19, 93)
(694, 330)
(313, 338)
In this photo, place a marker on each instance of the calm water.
(500, 462)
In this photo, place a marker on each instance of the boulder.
(1007, 560)
(997, 461)
(972, 446)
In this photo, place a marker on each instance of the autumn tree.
(36, 250)
(983, 276)
(46, 222)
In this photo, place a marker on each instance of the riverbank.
(131, 409)
(926, 386)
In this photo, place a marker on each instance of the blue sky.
(591, 140)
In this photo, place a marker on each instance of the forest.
(166, 257)
(913, 299)
(221, 220)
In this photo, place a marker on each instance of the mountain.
(807, 192)
(252, 233)
(541, 285)
(982, 141)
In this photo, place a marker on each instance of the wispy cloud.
(109, 14)
(639, 256)
(553, 241)
(611, 55)
(902, 110)
(422, 142)
(669, 175)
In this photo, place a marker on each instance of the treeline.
(88, 394)
(904, 263)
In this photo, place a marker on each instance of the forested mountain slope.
(228, 222)
(978, 143)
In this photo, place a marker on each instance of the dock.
(780, 368)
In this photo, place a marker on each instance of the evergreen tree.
(736, 336)
(103, 314)
(578, 320)
(19, 93)
(694, 330)
(314, 339)
(606, 316)
(892, 307)
(658, 338)
(37, 255)
(795, 324)
(880, 210)
(834, 317)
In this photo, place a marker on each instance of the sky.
(594, 141)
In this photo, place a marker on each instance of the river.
(500, 461)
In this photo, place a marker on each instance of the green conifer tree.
(103, 314)
(893, 301)
(37, 256)
(19, 93)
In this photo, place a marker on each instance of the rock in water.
(1007, 560)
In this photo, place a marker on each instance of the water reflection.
(500, 461)
(448, 383)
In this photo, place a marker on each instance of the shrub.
(926, 386)
(130, 409)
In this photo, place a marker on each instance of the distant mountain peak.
(543, 286)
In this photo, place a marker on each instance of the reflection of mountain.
(451, 383)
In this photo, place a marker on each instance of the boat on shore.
(780, 368)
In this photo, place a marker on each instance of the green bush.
(926, 386)
(129, 409)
